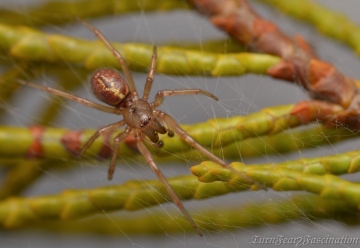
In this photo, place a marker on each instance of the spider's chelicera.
(140, 117)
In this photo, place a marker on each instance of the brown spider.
(141, 118)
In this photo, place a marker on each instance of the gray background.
(238, 96)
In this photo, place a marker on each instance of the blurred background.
(238, 96)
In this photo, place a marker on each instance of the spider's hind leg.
(98, 133)
(119, 138)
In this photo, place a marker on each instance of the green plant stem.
(280, 178)
(236, 217)
(31, 45)
(7, 79)
(307, 175)
(27, 171)
(133, 195)
(61, 12)
(217, 134)
(20, 176)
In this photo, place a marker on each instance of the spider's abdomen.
(109, 86)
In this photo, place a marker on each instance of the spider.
(140, 117)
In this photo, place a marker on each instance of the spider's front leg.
(150, 77)
(149, 159)
(181, 132)
(161, 94)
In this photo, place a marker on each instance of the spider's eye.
(145, 121)
(109, 86)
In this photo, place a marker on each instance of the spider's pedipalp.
(157, 126)
(151, 134)
(159, 144)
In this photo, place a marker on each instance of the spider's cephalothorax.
(140, 117)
